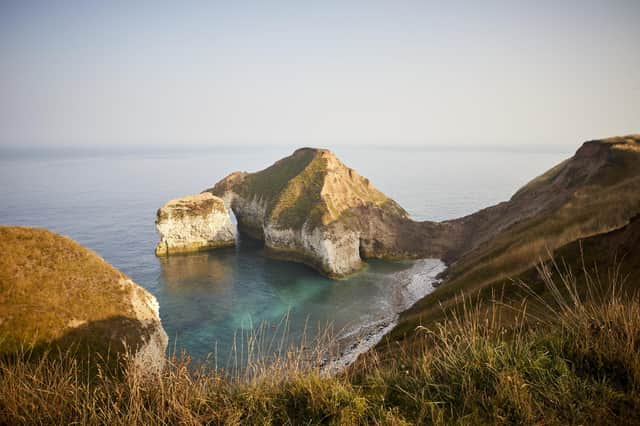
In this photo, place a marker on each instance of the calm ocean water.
(107, 201)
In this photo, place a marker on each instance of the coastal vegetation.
(588, 196)
(300, 200)
(40, 270)
(303, 187)
(487, 363)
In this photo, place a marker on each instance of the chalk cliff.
(310, 207)
(194, 223)
(55, 293)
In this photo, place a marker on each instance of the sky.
(383, 73)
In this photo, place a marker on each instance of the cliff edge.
(595, 192)
(55, 293)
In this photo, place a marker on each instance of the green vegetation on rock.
(310, 186)
(270, 182)
(300, 200)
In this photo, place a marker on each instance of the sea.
(213, 303)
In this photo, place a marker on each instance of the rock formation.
(55, 293)
(311, 208)
(593, 193)
(194, 223)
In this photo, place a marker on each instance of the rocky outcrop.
(194, 223)
(594, 191)
(591, 194)
(57, 294)
(310, 207)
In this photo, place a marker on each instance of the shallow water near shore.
(107, 201)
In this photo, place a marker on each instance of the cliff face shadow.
(100, 343)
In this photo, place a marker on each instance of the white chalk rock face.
(194, 223)
(149, 355)
(334, 250)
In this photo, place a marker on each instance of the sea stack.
(58, 295)
(194, 223)
(311, 208)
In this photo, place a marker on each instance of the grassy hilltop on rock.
(310, 187)
(312, 208)
(56, 294)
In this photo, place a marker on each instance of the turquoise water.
(107, 201)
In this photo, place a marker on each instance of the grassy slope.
(581, 366)
(295, 189)
(598, 201)
(290, 187)
(270, 182)
(300, 198)
(47, 281)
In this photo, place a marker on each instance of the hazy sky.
(318, 72)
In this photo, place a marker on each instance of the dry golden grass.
(48, 282)
(601, 196)
(300, 201)
(581, 364)
(310, 186)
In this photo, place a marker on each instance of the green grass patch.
(300, 200)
